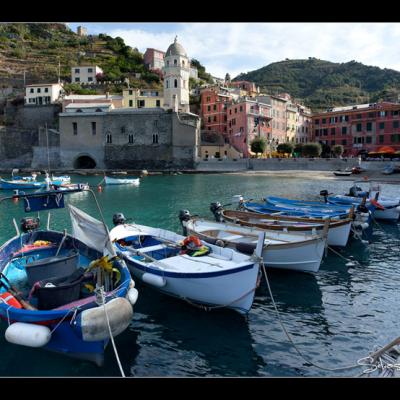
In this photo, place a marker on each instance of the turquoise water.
(335, 317)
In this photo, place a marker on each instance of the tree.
(311, 150)
(298, 149)
(258, 145)
(326, 150)
(338, 150)
(285, 148)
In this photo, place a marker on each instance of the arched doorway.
(84, 162)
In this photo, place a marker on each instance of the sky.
(243, 47)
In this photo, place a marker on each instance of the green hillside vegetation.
(38, 48)
(322, 84)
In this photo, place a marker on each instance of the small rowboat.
(20, 184)
(342, 173)
(57, 290)
(217, 278)
(338, 234)
(121, 181)
(282, 250)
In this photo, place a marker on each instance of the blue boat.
(20, 184)
(58, 291)
(311, 208)
(361, 228)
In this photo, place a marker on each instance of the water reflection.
(207, 343)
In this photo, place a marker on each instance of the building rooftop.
(87, 105)
(43, 84)
(176, 49)
(92, 97)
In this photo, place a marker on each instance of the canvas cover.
(90, 231)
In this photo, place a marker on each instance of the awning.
(386, 149)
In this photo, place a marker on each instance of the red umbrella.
(386, 149)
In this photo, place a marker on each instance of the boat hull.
(338, 233)
(121, 181)
(234, 289)
(63, 322)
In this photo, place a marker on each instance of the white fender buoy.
(93, 322)
(154, 280)
(131, 284)
(132, 296)
(30, 335)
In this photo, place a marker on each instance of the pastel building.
(291, 122)
(363, 127)
(248, 119)
(42, 94)
(115, 100)
(153, 59)
(214, 110)
(249, 88)
(176, 78)
(142, 98)
(85, 73)
(279, 120)
(304, 124)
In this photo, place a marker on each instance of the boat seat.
(152, 248)
(232, 237)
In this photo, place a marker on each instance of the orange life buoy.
(192, 239)
(10, 300)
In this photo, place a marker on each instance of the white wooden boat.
(121, 181)
(282, 250)
(221, 278)
(338, 233)
(342, 173)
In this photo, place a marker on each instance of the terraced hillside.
(38, 49)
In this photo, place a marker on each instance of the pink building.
(154, 59)
(213, 110)
(248, 119)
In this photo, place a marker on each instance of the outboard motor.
(184, 216)
(325, 194)
(30, 224)
(216, 208)
(119, 219)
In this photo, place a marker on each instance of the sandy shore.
(307, 174)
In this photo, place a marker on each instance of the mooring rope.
(289, 337)
(101, 301)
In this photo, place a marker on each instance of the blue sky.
(242, 47)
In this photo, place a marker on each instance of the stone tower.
(176, 78)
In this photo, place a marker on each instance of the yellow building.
(143, 98)
(291, 122)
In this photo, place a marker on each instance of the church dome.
(175, 49)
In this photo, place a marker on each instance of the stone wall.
(140, 139)
(275, 164)
(32, 117)
(16, 147)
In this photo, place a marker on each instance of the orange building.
(364, 127)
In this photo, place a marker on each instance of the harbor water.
(335, 317)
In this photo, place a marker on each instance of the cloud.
(241, 47)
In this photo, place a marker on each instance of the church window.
(167, 63)
(155, 138)
(175, 83)
(175, 62)
(167, 83)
